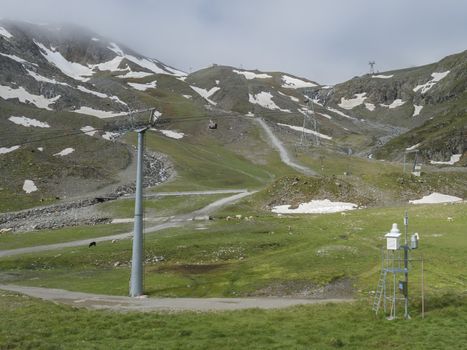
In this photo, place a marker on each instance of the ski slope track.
(284, 154)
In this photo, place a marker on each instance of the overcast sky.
(328, 41)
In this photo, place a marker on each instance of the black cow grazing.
(92, 244)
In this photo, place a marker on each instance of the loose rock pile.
(82, 212)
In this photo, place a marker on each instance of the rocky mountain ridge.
(61, 86)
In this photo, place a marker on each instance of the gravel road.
(174, 221)
(125, 304)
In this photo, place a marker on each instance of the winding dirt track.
(125, 304)
(283, 153)
(175, 221)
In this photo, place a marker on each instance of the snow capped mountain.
(60, 78)
(54, 66)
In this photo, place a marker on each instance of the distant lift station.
(395, 262)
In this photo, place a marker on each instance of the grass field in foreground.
(263, 256)
(28, 323)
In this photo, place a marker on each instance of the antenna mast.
(372, 67)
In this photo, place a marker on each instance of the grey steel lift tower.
(136, 279)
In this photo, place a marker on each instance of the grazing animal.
(92, 244)
(450, 219)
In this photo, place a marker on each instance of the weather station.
(393, 284)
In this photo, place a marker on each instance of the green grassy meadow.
(266, 255)
(28, 323)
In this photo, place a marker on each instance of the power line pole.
(309, 116)
(136, 280)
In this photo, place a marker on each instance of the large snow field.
(436, 197)
(315, 207)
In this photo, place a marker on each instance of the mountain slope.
(64, 89)
(426, 103)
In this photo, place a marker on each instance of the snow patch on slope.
(110, 136)
(341, 113)
(417, 110)
(72, 69)
(293, 98)
(307, 131)
(29, 186)
(100, 94)
(414, 147)
(23, 96)
(144, 87)
(264, 99)
(315, 207)
(27, 122)
(382, 76)
(17, 59)
(206, 94)
(64, 152)
(89, 130)
(370, 106)
(295, 83)
(5, 33)
(135, 75)
(436, 197)
(171, 133)
(352, 102)
(5, 150)
(97, 112)
(396, 103)
(252, 75)
(454, 159)
(435, 78)
(43, 79)
(149, 64)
